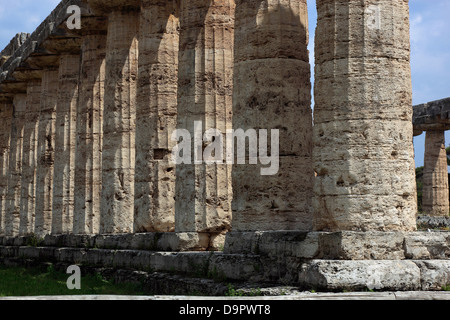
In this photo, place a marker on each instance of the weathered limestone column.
(88, 164)
(6, 116)
(363, 134)
(272, 90)
(119, 117)
(65, 142)
(156, 116)
(12, 214)
(203, 192)
(435, 200)
(46, 152)
(29, 158)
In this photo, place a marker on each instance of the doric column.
(88, 164)
(6, 116)
(12, 215)
(363, 134)
(46, 152)
(203, 191)
(29, 158)
(272, 91)
(119, 117)
(156, 116)
(65, 141)
(435, 192)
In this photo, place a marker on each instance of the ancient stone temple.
(95, 104)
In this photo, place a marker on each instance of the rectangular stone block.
(427, 245)
(347, 245)
(360, 275)
(435, 274)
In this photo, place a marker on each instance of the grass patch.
(40, 282)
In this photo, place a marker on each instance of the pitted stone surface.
(272, 91)
(363, 134)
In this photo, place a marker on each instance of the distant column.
(156, 116)
(29, 158)
(12, 215)
(203, 191)
(435, 192)
(65, 141)
(6, 116)
(46, 152)
(363, 132)
(272, 91)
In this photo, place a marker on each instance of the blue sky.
(430, 44)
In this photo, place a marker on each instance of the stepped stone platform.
(323, 261)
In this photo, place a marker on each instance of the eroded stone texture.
(6, 117)
(435, 200)
(203, 191)
(12, 214)
(156, 116)
(88, 164)
(119, 120)
(63, 181)
(46, 152)
(6, 110)
(272, 91)
(29, 158)
(363, 135)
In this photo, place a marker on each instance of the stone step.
(234, 267)
(343, 245)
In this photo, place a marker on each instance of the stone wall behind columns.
(272, 90)
(363, 135)
(6, 109)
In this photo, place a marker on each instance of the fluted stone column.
(6, 116)
(363, 134)
(272, 91)
(119, 117)
(65, 141)
(46, 152)
(29, 158)
(156, 116)
(435, 192)
(88, 164)
(203, 191)
(12, 214)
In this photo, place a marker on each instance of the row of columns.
(88, 146)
